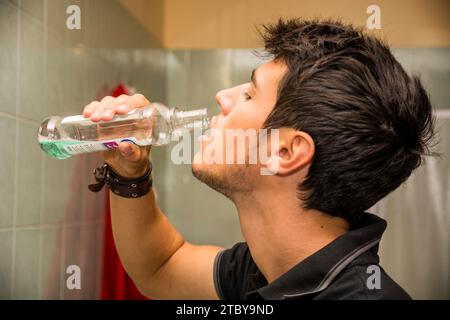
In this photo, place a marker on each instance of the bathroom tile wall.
(433, 67)
(48, 218)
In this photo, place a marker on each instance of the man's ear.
(295, 151)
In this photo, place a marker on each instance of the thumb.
(129, 151)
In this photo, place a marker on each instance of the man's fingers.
(96, 114)
(120, 105)
(138, 100)
(108, 111)
(108, 107)
(87, 111)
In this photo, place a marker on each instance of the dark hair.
(370, 122)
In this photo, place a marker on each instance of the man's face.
(244, 107)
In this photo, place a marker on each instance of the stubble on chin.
(227, 181)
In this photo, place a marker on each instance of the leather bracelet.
(121, 186)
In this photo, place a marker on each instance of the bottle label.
(92, 146)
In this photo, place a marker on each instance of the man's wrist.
(123, 186)
(132, 172)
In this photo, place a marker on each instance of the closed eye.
(246, 95)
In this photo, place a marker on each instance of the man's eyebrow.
(253, 78)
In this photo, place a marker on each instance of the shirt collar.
(317, 271)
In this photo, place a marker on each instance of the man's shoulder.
(232, 270)
(362, 278)
(364, 282)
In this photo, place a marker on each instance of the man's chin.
(206, 174)
(197, 168)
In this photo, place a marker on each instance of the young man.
(352, 127)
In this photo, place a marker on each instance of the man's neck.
(280, 234)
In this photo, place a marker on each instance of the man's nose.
(225, 101)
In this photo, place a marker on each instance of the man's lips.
(208, 137)
(213, 122)
(204, 139)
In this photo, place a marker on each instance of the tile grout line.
(26, 14)
(8, 115)
(50, 225)
(83, 228)
(61, 261)
(41, 294)
(62, 256)
(16, 155)
(18, 118)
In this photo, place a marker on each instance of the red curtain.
(116, 284)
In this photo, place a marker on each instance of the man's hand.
(128, 160)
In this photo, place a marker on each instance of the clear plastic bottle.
(154, 124)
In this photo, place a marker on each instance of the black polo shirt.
(340, 270)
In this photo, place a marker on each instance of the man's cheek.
(238, 120)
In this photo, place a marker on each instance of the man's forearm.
(144, 237)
